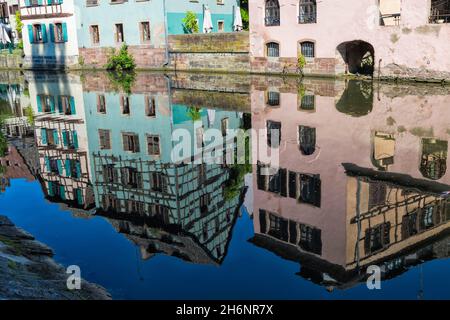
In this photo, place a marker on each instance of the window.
(307, 11)
(272, 49)
(59, 32)
(130, 177)
(109, 173)
(308, 102)
(125, 105)
(377, 238)
(273, 98)
(307, 140)
(153, 146)
(66, 105)
(390, 12)
(104, 139)
(220, 26)
(150, 106)
(145, 32)
(440, 11)
(37, 33)
(119, 36)
(130, 142)
(159, 182)
(95, 34)
(272, 11)
(307, 49)
(273, 134)
(101, 103)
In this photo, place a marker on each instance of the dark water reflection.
(362, 180)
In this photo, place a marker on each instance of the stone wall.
(213, 52)
(146, 56)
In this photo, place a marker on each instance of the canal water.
(339, 183)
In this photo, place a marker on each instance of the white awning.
(237, 24)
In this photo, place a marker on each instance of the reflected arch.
(433, 161)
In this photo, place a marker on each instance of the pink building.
(360, 179)
(386, 38)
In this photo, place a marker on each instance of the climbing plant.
(190, 23)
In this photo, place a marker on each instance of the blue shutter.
(55, 136)
(78, 167)
(50, 189)
(27, 3)
(62, 192)
(30, 33)
(64, 30)
(40, 2)
(44, 135)
(60, 108)
(68, 168)
(79, 196)
(47, 164)
(52, 104)
(72, 105)
(49, 2)
(44, 33)
(60, 167)
(65, 138)
(39, 103)
(51, 29)
(75, 139)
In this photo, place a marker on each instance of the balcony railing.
(48, 10)
(272, 21)
(440, 18)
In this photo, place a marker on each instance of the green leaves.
(121, 61)
(190, 23)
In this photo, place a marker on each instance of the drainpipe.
(166, 37)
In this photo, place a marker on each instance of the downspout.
(166, 36)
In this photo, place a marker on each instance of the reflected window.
(66, 105)
(308, 102)
(204, 203)
(125, 105)
(131, 177)
(377, 238)
(377, 194)
(104, 139)
(273, 134)
(150, 106)
(130, 142)
(273, 98)
(160, 212)
(135, 207)
(109, 173)
(110, 202)
(45, 103)
(307, 140)
(310, 239)
(278, 227)
(433, 164)
(310, 189)
(383, 150)
(153, 145)
(159, 182)
(273, 49)
(101, 103)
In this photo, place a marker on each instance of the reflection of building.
(12, 166)
(179, 209)
(61, 138)
(13, 97)
(349, 189)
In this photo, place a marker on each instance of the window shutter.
(64, 29)
(39, 103)
(75, 139)
(62, 192)
(60, 107)
(47, 164)
(78, 168)
(60, 167)
(44, 135)
(262, 221)
(27, 3)
(65, 138)
(283, 182)
(44, 33)
(68, 167)
(30, 31)
(50, 189)
(52, 104)
(79, 196)
(51, 29)
(55, 136)
(40, 2)
(72, 105)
